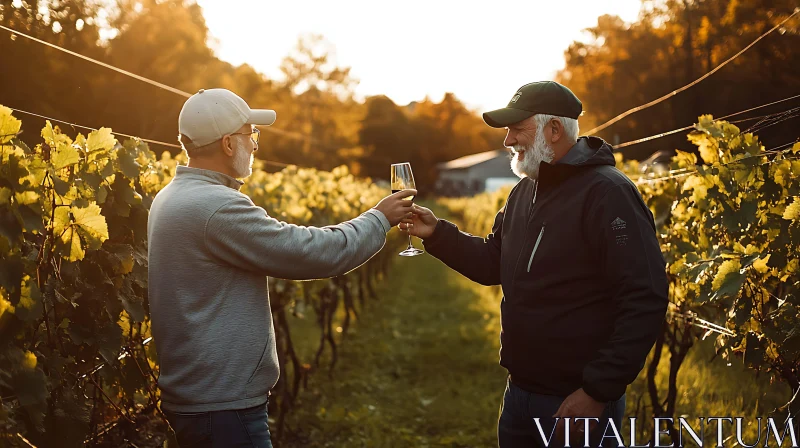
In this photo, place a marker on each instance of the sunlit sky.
(481, 51)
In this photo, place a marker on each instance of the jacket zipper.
(536, 246)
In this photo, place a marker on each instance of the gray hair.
(571, 127)
(192, 151)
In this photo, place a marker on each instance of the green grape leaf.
(121, 208)
(109, 342)
(5, 196)
(31, 216)
(108, 169)
(132, 303)
(749, 260)
(102, 193)
(728, 281)
(20, 144)
(127, 162)
(29, 307)
(754, 351)
(10, 227)
(11, 271)
(791, 344)
(80, 203)
(70, 421)
(92, 179)
(138, 224)
(131, 379)
(31, 389)
(744, 306)
(61, 186)
(122, 256)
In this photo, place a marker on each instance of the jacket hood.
(589, 151)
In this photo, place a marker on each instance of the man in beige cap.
(210, 251)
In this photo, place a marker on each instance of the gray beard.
(242, 163)
(535, 154)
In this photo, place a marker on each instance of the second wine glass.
(403, 179)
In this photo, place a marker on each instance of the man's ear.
(227, 145)
(557, 130)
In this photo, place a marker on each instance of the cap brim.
(506, 116)
(262, 117)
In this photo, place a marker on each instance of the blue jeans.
(516, 427)
(216, 429)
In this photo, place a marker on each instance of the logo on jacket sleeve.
(618, 224)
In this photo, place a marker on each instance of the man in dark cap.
(584, 281)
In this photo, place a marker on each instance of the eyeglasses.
(255, 135)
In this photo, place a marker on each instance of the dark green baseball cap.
(542, 97)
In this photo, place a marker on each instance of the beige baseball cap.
(210, 114)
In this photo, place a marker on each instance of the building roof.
(472, 160)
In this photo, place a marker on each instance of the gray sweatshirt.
(210, 250)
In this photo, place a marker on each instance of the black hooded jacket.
(583, 277)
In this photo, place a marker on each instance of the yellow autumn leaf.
(9, 126)
(91, 221)
(708, 152)
(100, 139)
(796, 148)
(80, 142)
(29, 360)
(27, 197)
(678, 266)
(751, 249)
(792, 211)
(37, 168)
(72, 240)
(727, 267)
(760, 265)
(64, 155)
(53, 137)
(60, 220)
(99, 144)
(5, 305)
(782, 172)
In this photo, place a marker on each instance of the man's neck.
(211, 165)
(562, 151)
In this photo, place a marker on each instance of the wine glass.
(403, 179)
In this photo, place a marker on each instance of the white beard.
(536, 153)
(242, 163)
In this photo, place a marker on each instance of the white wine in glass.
(403, 179)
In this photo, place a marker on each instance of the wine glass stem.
(409, 242)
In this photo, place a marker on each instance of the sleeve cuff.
(600, 395)
(438, 231)
(381, 217)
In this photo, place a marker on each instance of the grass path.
(418, 369)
